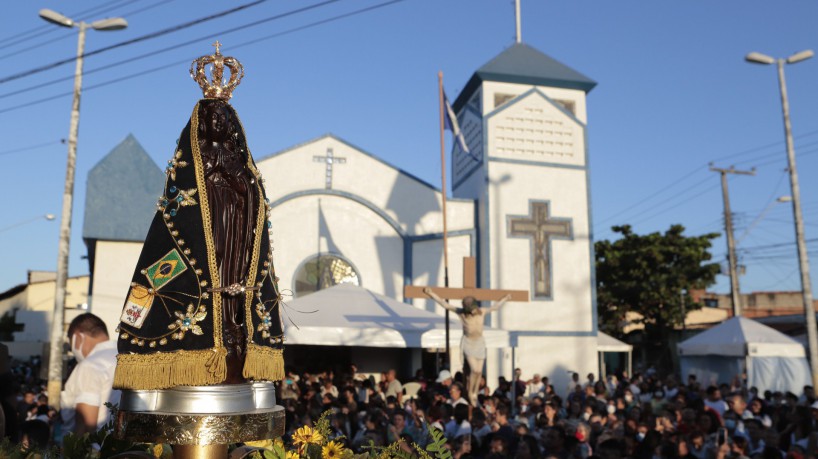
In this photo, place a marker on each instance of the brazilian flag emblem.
(165, 270)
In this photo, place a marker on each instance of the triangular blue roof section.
(121, 194)
(523, 64)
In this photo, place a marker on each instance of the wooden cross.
(469, 288)
(329, 160)
(541, 228)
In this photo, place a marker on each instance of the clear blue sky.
(674, 94)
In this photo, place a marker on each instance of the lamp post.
(48, 217)
(763, 214)
(803, 261)
(55, 356)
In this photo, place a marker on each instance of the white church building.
(520, 206)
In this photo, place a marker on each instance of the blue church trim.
(343, 194)
(408, 239)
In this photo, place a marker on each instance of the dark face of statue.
(217, 121)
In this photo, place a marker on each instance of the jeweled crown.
(217, 87)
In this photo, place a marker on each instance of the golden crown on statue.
(217, 87)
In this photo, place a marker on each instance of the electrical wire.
(127, 15)
(47, 29)
(32, 147)
(131, 41)
(176, 63)
(652, 196)
(152, 54)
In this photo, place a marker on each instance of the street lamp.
(48, 217)
(55, 357)
(763, 214)
(803, 261)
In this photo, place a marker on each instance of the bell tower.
(524, 118)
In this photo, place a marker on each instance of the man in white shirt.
(536, 387)
(90, 385)
(393, 387)
(714, 400)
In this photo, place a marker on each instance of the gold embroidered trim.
(165, 370)
(261, 219)
(263, 363)
(208, 233)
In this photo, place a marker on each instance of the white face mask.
(76, 348)
(611, 409)
(586, 415)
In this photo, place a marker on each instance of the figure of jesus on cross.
(472, 345)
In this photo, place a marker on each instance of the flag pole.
(443, 190)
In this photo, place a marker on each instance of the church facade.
(521, 206)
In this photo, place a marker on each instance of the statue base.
(200, 421)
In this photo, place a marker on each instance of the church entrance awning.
(347, 315)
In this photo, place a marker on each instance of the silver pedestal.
(200, 415)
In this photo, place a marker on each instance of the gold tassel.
(263, 363)
(163, 370)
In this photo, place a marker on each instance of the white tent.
(771, 359)
(347, 315)
(606, 343)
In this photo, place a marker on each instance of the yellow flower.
(157, 450)
(332, 450)
(266, 444)
(291, 455)
(305, 435)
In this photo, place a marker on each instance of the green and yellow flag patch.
(165, 270)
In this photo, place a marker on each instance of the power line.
(47, 30)
(780, 244)
(131, 41)
(176, 63)
(152, 54)
(665, 188)
(32, 147)
(127, 15)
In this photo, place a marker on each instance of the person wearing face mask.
(89, 386)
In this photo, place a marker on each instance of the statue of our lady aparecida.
(203, 304)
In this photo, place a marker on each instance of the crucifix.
(472, 345)
(541, 229)
(329, 160)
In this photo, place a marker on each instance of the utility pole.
(803, 260)
(58, 318)
(735, 293)
(518, 21)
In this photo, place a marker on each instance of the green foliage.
(438, 444)
(647, 274)
(322, 425)
(12, 451)
(82, 447)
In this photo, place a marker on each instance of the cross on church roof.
(329, 159)
(540, 228)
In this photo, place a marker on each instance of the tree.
(648, 274)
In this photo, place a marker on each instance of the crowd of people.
(644, 416)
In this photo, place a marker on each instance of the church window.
(500, 98)
(324, 271)
(569, 105)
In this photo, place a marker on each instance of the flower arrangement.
(307, 443)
